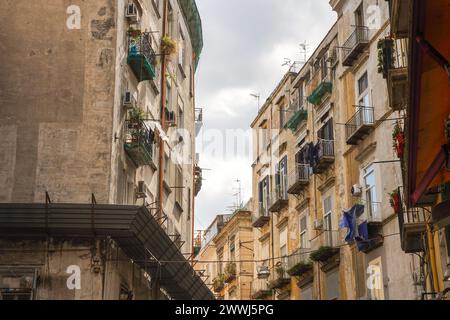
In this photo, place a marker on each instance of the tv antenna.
(257, 96)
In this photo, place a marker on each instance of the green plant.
(320, 253)
(134, 33)
(385, 56)
(136, 114)
(230, 269)
(300, 268)
(279, 270)
(218, 282)
(168, 45)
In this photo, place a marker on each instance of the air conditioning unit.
(128, 99)
(357, 190)
(318, 224)
(263, 272)
(141, 190)
(132, 13)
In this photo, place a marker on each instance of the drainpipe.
(155, 282)
(194, 155)
(432, 254)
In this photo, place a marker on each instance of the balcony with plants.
(393, 65)
(299, 178)
(230, 272)
(360, 124)
(218, 283)
(323, 88)
(278, 199)
(198, 120)
(141, 57)
(299, 262)
(262, 216)
(400, 17)
(325, 246)
(355, 44)
(298, 115)
(139, 141)
(279, 277)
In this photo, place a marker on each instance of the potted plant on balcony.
(398, 139)
(385, 56)
(300, 268)
(134, 33)
(395, 201)
(168, 45)
(323, 253)
(230, 272)
(218, 283)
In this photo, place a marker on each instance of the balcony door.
(281, 181)
(264, 196)
(363, 102)
(374, 213)
(327, 221)
(359, 16)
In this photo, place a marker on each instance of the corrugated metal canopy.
(133, 228)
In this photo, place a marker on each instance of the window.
(301, 97)
(180, 120)
(282, 116)
(220, 261)
(326, 132)
(156, 7)
(232, 249)
(17, 283)
(327, 221)
(281, 183)
(375, 280)
(171, 21)
(284, 246)
(264, 196)
(332, 284)
(181, 49)
(179, 187)
(324, 67)
(307, 292)
(304, 232)
(359, 16)
(263, 137)
(363, 86)
(371, 194)
(265, 253)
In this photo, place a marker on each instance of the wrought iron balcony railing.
(325, 155)
(279, 276)
(262, 216)
(324, 87)
(198, 120)
(355, 45)
(260, 289)
(141, 56)
(278, 199)
(360, 124)
(139, 143)
(326, 245)
(299, 262)
(299, 178)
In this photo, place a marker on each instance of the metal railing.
(138, 134)
(364, 116)
(301, 173)
(301, 255)
(142, 45)
(259, 285)
(279, 272)
(372, 212)
(358, 36)
(325, 148)
(280, 194)
(327, 238)
(400, 54)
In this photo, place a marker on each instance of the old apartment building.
(98, 166)
(226, 257)
(325, 171)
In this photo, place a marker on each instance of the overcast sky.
(246, 42)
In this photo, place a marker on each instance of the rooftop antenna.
(304, 50)
(257, 96)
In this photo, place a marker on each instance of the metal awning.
(133, 228)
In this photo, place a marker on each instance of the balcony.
(139, 143)
(279, 277)
(360, 125)
(218, 283)
(198, 120)
(325, 87)
(400, 11)
(325, 156)
(299, 117)
(397, 75)
(326, 245)
(262, 218)
(278, 199)
(230, 272)
(299, 178)
(299, 263)
(372, 215)
(141, 57)
(355, 45)
(198, 179)
(260, 289)
(413, 228)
